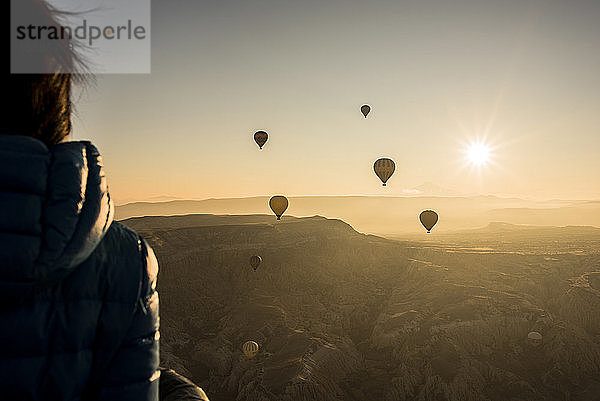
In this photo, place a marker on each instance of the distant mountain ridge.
(390, 215)
(498, 226)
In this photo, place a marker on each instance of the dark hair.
(38, 105)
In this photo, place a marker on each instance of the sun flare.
(478, 154)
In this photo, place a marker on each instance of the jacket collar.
(54, 207)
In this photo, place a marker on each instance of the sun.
(478, 154)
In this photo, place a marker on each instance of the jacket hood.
(54, 208)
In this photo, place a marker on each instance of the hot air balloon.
(384, 168)
(250, 349)
(278, 204)
(428, 219)
(261, 137)
(365, 109)
(255, 261)
(534, 338)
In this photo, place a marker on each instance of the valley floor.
(345, 316)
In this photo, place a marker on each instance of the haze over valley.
(392, 216)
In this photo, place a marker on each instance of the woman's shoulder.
(127, 260)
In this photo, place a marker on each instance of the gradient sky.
(522, 76)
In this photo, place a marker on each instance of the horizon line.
(501, 196)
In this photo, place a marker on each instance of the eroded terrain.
(344, 316)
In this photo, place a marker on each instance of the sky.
(520, 77)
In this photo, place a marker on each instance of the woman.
(78, 301)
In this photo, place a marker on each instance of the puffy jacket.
(78, 305)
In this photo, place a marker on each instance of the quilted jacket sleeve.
(133, 374)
